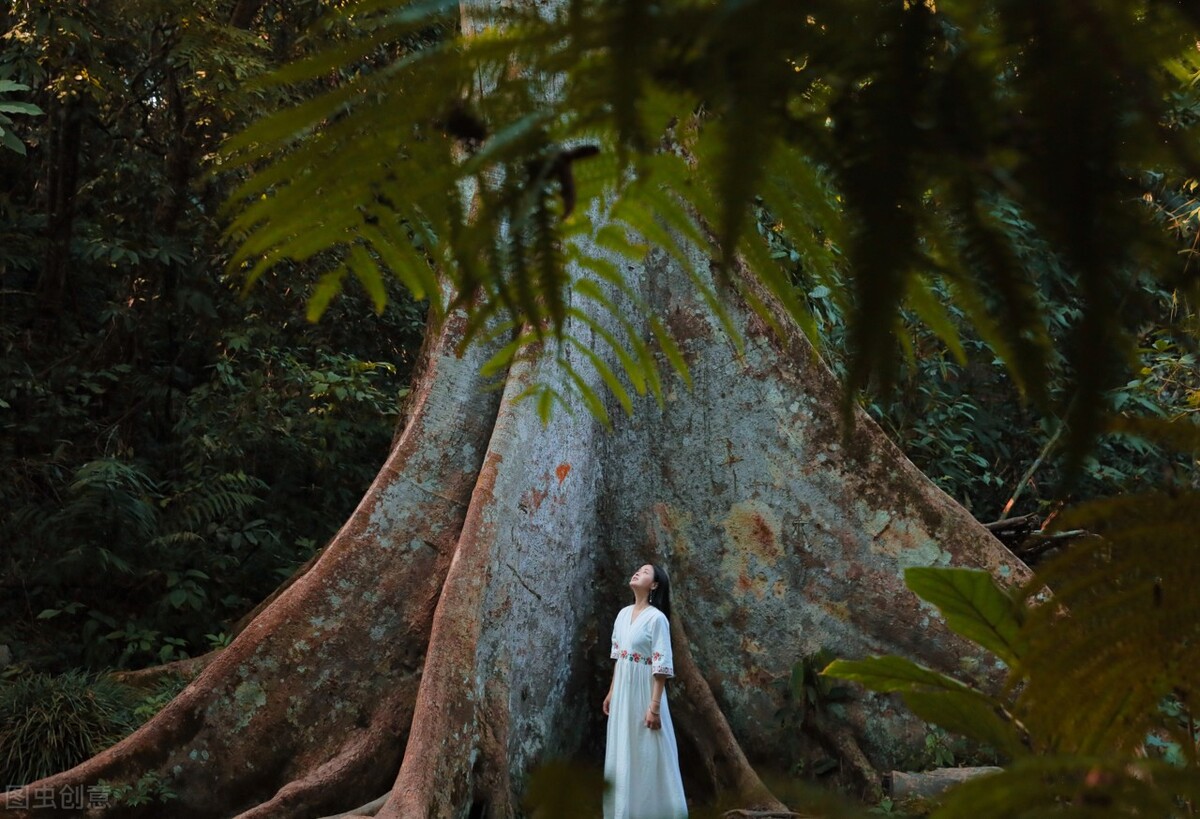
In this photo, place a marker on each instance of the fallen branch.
(1037, 544)
(1031, 521)
(145, 678)
(1028, 476)
(927, 784)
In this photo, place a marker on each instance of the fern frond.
(106, 496)
(221, 498)
(881, 135)
(1122, 631)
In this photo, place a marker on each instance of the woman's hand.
(607, 700)
(653, 721)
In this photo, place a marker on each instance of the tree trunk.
(62, 176)
(453, 636)
(244, 12)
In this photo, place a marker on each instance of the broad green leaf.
(969, 713)
(8, 140)
(887, 674)
(974, 606)
(20, 108)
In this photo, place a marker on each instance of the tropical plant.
(1088, 670)
(7, 106)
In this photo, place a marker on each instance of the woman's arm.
(653, 720)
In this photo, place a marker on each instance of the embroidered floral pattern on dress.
(659, 660)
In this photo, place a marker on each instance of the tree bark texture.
(454, 634)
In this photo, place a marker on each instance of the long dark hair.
(660, 598)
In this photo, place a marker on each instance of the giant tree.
(572, 187)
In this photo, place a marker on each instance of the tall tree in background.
(449, 639)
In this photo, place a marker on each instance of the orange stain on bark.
(562, 471)
(754, 532)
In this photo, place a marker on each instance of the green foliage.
(1092, 673)
(964, 422)
(170, 451)
(149, 789)
(162, 693)
(987, 188)
(975, 607)
(51, 723)
(938, 750)
(7, 106)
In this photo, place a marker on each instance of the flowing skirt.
(640, 765)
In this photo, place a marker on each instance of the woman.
(641, 760)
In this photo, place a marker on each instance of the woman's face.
(643, 578)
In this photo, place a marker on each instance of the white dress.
(641, 765)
